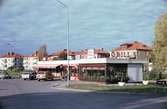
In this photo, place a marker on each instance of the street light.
(68, 34)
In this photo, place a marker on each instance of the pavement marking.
(144, 102)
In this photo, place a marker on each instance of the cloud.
(31, 23)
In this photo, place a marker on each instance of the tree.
(160, 44)
(15, 71)
(42, 52)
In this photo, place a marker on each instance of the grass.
(151, 89)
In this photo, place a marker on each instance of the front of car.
(41, 76)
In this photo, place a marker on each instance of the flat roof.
(93, 61)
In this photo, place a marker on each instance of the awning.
(46, 66)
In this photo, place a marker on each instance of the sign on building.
(90, 54)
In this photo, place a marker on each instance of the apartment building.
(92, 54)
(10, 59)
(29, 62)
(135, 50)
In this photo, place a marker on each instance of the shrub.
(15, 71)
(152, 75)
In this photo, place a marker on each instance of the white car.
(2, 76)
(25, 76)
(44, 76)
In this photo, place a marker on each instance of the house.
(92, 54)
(61, 55)
(83, 54)
(10, 59)
(52, 57)
(135, 50)
(29, 62)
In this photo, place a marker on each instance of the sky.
(25, 25)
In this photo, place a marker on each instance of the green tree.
(15, 71)
(160, 44)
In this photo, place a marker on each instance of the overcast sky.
(25, 25)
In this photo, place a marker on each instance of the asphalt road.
(19, 94)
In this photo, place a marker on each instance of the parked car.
(28, 75)
(4, 75)
(43, 75)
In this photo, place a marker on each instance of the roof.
(11, 55)
(62, 51)
(133, 46)
(100, 51)
(28, 56)
(91, 61)
(96, 51)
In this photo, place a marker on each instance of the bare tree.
(42, 52)
(63, 55)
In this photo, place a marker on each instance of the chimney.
(12, 53)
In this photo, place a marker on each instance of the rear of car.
(25, 76)
(2, 76)
(28, 75)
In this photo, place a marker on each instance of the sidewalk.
(62, 86)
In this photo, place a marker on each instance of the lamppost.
(68, 34)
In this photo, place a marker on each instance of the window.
(118, 54)
(128, 54)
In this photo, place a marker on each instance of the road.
(19, 94)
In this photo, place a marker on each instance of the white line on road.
(145, 102)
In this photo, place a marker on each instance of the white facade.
(7, 62)
(125, 54)
(91, 54)
(29, 62)
(89, 61)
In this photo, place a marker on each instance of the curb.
(69, 89)
(80, 90)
